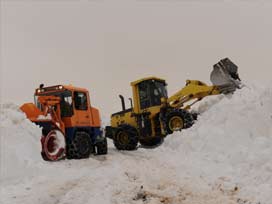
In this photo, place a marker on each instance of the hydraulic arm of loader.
(193, 90)
(225, 79)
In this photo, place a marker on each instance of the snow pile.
(224, 158)
(20, 146)
(230, 146)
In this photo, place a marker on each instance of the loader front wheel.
(189, 118)
(177, 120)
(174, 122)
(126, 138)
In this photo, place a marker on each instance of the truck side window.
(80, 99)
(66, 106)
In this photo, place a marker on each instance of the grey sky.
(104, 45)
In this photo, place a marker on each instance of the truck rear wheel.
(102, 147)
(81, 146)
(126, 138)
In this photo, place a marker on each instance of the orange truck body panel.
(80, 118)
(66, 110)
(31, 111)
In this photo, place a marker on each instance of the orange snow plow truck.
(71, 127)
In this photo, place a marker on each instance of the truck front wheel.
(81, 146)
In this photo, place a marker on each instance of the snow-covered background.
(226, 157)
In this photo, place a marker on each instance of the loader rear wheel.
(81, 146)
(152, 142)
(126, 138)
(178, 120)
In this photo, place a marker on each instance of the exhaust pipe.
(123, 102)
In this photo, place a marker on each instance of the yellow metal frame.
(194, 90)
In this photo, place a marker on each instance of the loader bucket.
(225, 76)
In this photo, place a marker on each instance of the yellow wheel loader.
(153, 115)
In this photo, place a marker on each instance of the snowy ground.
(225, 158)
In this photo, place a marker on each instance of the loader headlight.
(60, 87)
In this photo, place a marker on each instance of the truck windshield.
(66, 103)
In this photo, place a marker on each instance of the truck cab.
(66, 110)
(75, 105)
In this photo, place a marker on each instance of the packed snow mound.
(230, 144)
(224, 158)
(20, 146)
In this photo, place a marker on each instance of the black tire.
(81, 146)
(126, 138)
(102, 147)
(45, 131)
(44, 156)
(184, 116)
(195, 115)
(70, 151)
(189, 119)
(152, 142)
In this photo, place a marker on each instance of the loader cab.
(148, 92)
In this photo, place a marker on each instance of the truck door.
(81, 109)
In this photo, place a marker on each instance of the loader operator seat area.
(151, 92)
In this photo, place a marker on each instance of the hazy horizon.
(104, 45)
